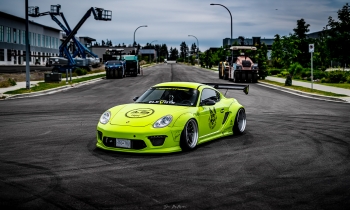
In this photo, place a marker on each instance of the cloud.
(171, 21)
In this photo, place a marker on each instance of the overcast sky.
(171, 21)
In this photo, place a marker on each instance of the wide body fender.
(230, 121)
(181, 121)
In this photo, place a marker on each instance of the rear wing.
(245, 88)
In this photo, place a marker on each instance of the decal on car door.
(212, 118)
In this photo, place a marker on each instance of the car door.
(210, 116)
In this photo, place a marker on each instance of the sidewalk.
(315, 86)
(20, 85)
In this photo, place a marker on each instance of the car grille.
(135, 144)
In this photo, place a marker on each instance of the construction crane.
(66, 58)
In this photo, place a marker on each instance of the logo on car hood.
(139, 113)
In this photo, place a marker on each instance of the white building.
(44, 41)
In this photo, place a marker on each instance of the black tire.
(119, 73)
(240, 122)
(225, 75)
(220, 77)
(189, 135)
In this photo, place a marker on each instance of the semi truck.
(119, 65)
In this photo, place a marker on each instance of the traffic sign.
(311, 48)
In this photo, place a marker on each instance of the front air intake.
(157, 140)
(99, 135)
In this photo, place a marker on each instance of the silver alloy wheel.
(241, 120)
(191, 133)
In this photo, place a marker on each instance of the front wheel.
(189, 136)
(240, 122)
(220, 77)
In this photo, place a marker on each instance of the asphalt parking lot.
(294, 154)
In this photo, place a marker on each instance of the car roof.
(193, 85)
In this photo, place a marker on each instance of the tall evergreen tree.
(303, 46)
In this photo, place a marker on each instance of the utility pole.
(27, 48)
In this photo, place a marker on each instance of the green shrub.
(319, 74)
(348, 79)
(295, 69)
(323, 80)
(274, 71)
(297, 77)
(305, 73)
(285, 73)
(80, 71)
(143, 62)
(336, 76)
(279, 75)
(8, 83)
(12, 82)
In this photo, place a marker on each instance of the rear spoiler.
(245, 88)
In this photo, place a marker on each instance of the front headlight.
(105, 117)
(162, 122)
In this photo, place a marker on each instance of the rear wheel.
(189, 136)
(225, 75)
(220, 76)
(240, 122)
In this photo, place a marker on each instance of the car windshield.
(113, 63)
(177, 96)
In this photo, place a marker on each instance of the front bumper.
(142, 138)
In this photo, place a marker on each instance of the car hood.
(138, 114)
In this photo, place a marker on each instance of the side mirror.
(208, 102)
(137, 97)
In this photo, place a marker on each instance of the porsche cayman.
(172, 117)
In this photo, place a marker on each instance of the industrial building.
(44, 41)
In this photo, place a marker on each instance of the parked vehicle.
(239, 68)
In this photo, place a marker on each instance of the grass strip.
(46, 86)
(304, 89)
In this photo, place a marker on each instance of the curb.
(50, 91)
(303, 94)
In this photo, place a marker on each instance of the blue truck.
(118, 65)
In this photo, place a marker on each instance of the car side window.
(210, 94)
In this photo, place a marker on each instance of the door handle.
(222, 110)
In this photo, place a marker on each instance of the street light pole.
(231, 30)
(133, 44)
(197, 47)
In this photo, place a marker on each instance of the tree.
(193, 48)
(183, 50)
(338, 41)
(290, 50)
(277, 52)
(103, 43)
(261, 58)
(303, 45)
(206, 59)
(174, 54)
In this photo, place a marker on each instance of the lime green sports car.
(172, 117)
